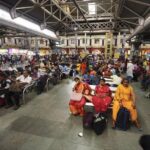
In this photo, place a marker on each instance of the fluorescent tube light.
(5, 15)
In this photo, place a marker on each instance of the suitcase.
(100, 123)
(122, 121)
(88, 120)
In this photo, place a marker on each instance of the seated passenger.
(125, 97)
(83, 67)
(92, 72)
(76, 107)
(116, 79)
(16, 88)
(78, 66)
(107, 73)
(35, 73)
(12, 68)
(102, 97)
(25, 78)
(86, 77)
(4, 88)
(94, 79)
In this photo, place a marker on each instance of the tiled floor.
(45, 124)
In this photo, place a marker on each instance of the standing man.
(130, 68)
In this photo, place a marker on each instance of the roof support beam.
(146, 11)
(140, 2)
(95, 19)
(48, 12)
(51, 14)
(84, 3)
(119, 7)
(130, 22)
(26, 7)
(130, 18)
(69, 16)
(118, 10)
(133, 12)
(78, 7)
(44, 2)
(18, 2)
(140, 28)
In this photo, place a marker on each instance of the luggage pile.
(97, 122)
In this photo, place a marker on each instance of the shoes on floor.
(16, 107)
(8, 106)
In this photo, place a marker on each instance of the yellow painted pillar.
(106, 44)
(111, 44)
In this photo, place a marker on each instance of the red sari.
(102, 99)
(76, 107)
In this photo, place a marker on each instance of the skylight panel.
(92, 8)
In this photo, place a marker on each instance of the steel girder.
(48, 9)
(140, 2)
(104, 25)
(52, 8)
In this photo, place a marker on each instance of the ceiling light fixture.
(20, 21)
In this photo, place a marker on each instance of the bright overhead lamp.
(22, 22)
(92, 8)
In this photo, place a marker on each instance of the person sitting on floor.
(125, 97)
(76, 107)
(102, 98)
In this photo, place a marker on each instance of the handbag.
(76, 96)
(15, 87)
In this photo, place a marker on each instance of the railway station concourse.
(74, 74)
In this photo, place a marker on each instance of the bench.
(90, 106)
(28, 88)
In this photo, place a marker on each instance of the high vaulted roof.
(67, 16)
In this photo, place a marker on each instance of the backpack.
(100, 123)
(122, 121)
(88, 120)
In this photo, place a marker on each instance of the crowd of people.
(16, 72)
(94, 71)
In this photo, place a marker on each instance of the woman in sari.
(76, 107)
(125, 97)
(102, 98)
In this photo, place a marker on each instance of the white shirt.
(12, 69)
(22, 79)
(130, 68)
(116, 79)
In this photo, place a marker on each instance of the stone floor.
(45, 124)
